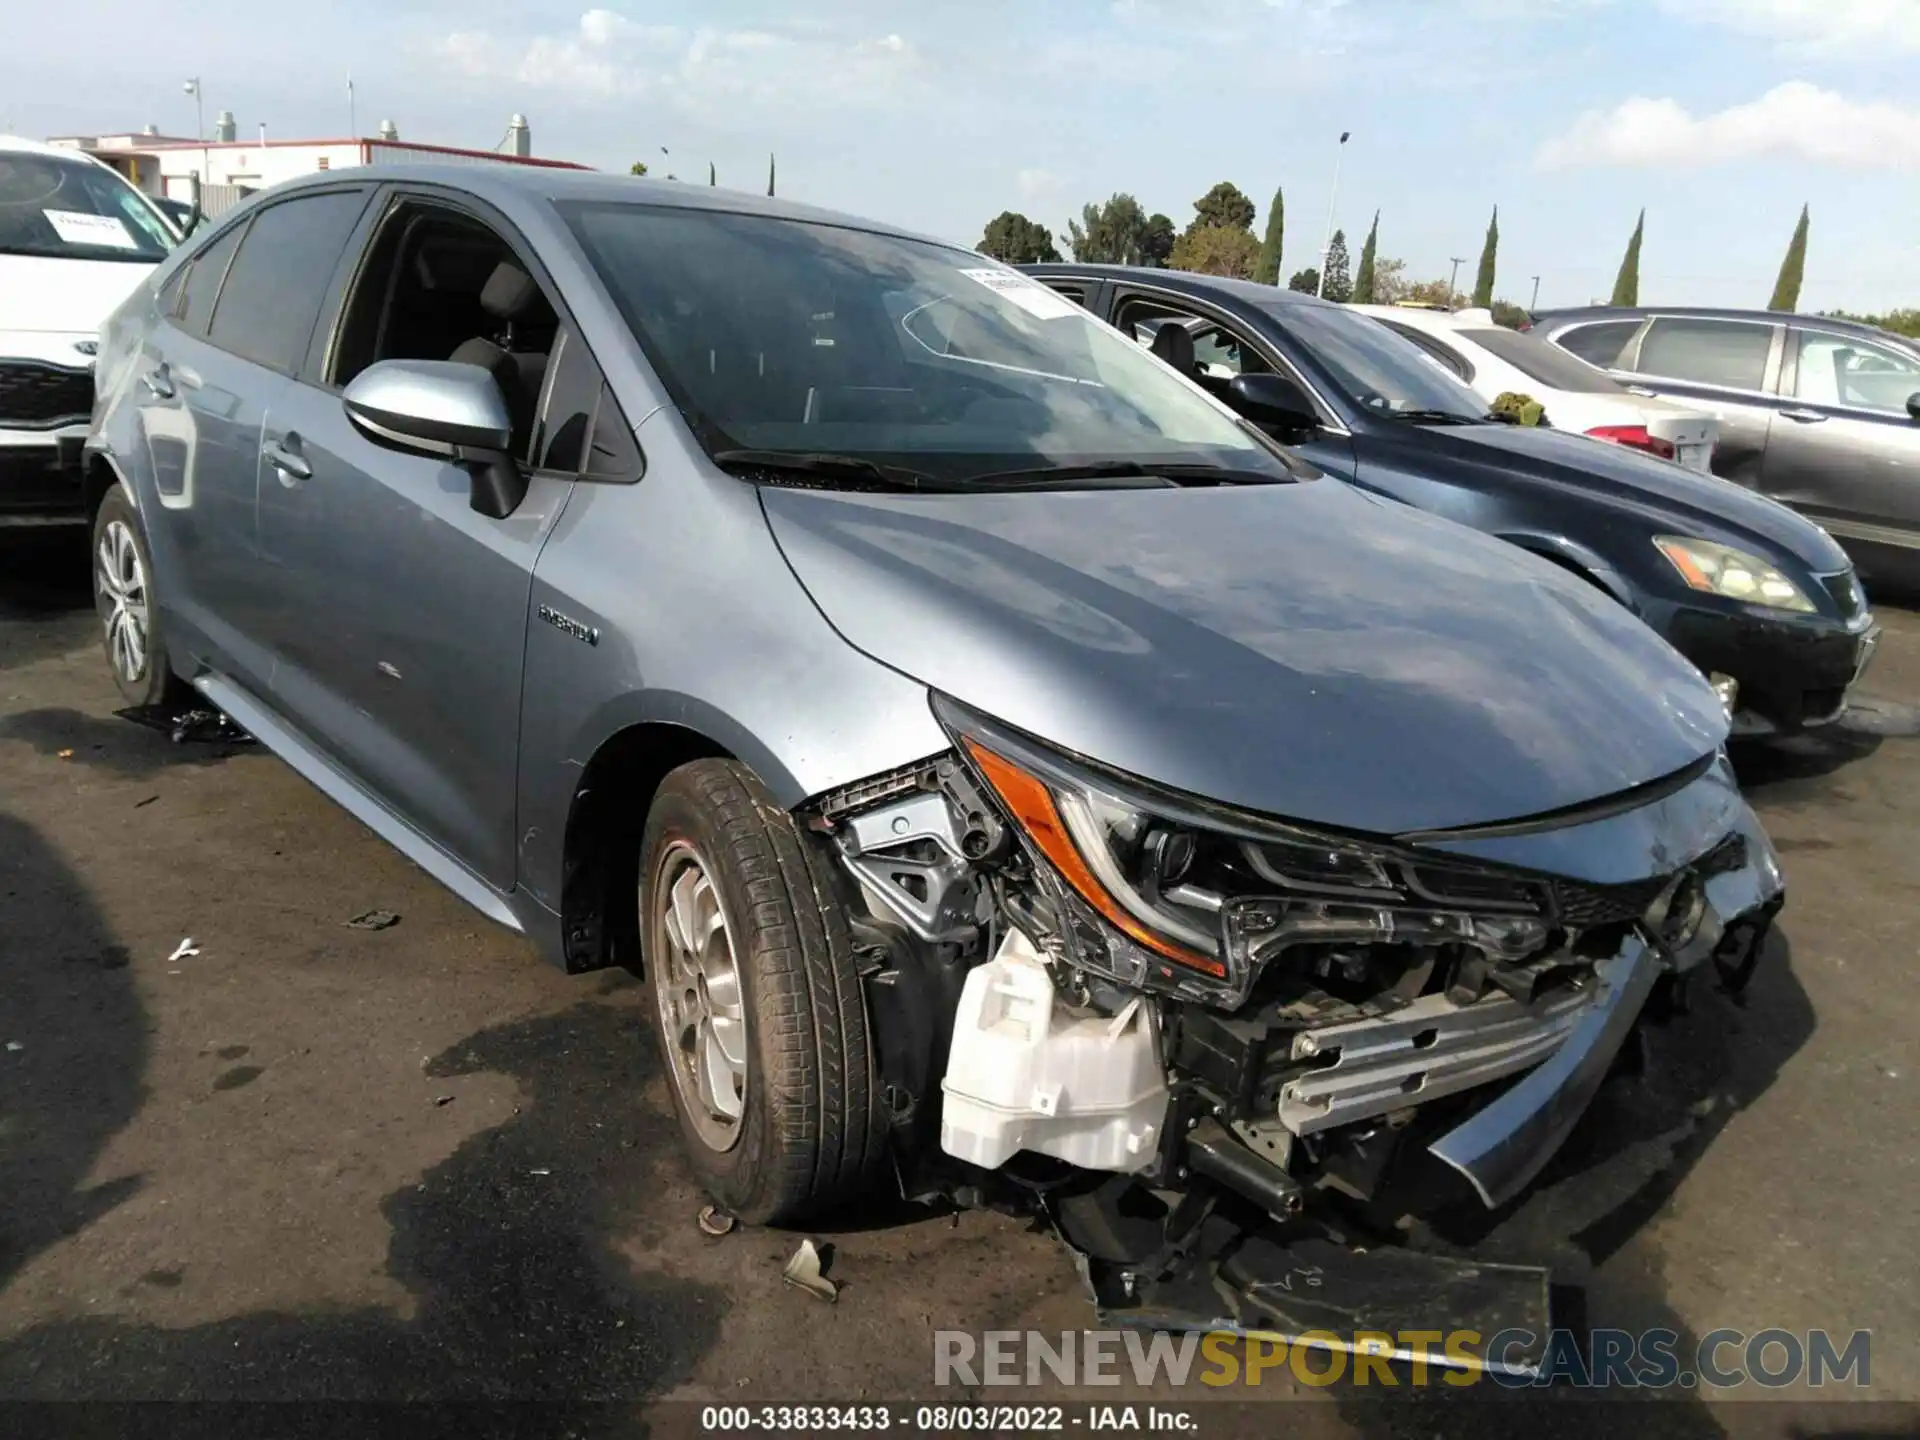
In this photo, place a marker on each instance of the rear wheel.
(123, 599)
(763, 1026)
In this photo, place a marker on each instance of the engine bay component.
(1027, 1073)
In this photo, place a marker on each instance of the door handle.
(158, 383)
(1805, 417)
(288, 462)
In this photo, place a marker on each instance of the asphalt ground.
(314, 1163)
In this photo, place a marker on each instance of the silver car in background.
(1817, 413)
(1017, 776)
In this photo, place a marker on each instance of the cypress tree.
(1626, 287)
(1483, 286)
(1363, 281)
(1267, 271)
(1793, 269)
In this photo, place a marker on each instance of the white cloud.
(1796, 120)
(1861, 27)
(607, 55)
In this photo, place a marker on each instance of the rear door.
(1844, 447)
(1727, 368)
(404, 628)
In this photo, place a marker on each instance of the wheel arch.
(605, 819)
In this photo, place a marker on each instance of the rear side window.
(272, 296)
(1708, 352)
(1445, 354)
(1537, 360)
(209, 267)
(1598, 344)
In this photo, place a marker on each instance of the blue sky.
(1719, 116)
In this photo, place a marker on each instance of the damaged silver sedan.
(1021, 781)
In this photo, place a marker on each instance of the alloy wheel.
(696, 982)
(120, 576)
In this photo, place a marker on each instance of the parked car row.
(1027, 765)
(1763, 601)
(1820, 414)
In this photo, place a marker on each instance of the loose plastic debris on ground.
(14, 1047)
(715, 1222)
(181, 951)
(804, 1270)
(374, 920)
(199, 726)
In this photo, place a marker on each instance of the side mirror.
(1272, 400)
(445, 408)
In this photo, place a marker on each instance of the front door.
(1845, 450)
(405, 612)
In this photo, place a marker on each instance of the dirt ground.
(307, 1161)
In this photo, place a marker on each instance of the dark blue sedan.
(1761, 599)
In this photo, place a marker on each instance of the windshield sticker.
(76, 227)
(1036, 300)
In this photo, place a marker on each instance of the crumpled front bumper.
(1506, 1143)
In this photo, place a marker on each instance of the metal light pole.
(353, 118)
(192, 87)
(1453, 287)
(1333, 204)
(1534, 304)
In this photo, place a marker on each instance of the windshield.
(76, 210)
(1547, 364)
(787, 337)
(1380, 371)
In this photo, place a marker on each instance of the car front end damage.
(1227, 1055)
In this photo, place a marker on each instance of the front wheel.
(762, 1023)
(123, 599)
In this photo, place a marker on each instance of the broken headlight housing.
(1169, 893)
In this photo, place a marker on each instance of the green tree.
(1339, 270)
(1363, 281)
(1307, 281)
(1436, 293)
(1489, 255)
(769, 174)
(1111, 234)
(1217, 250)
(1389, 281)
(1793, 269)
(1895, 322)
(1014, 238)
(1268, 270)
(639, 167)
(1626, 287)
(1223, 208)
(1156, 241)
(1506, 313)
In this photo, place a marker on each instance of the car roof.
(561, 185)
(1186, 281)
(1422, 317)
(21, 145)
(1637, 313)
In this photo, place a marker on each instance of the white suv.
(75, 239)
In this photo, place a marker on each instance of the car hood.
(49, 293)
(1685, 500)
(1301, 650)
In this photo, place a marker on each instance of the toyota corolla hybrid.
(1018, 777)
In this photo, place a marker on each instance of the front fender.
(1572, 555)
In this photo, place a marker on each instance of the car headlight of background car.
(1173, 894)
(1722, 570)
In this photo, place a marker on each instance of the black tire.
(120, 541)
(810, 1133)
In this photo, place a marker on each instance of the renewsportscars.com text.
(1608, 1359)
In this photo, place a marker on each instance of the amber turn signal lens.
(1031, 805)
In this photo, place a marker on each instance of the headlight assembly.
(1168, 893)
(1722, 570)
